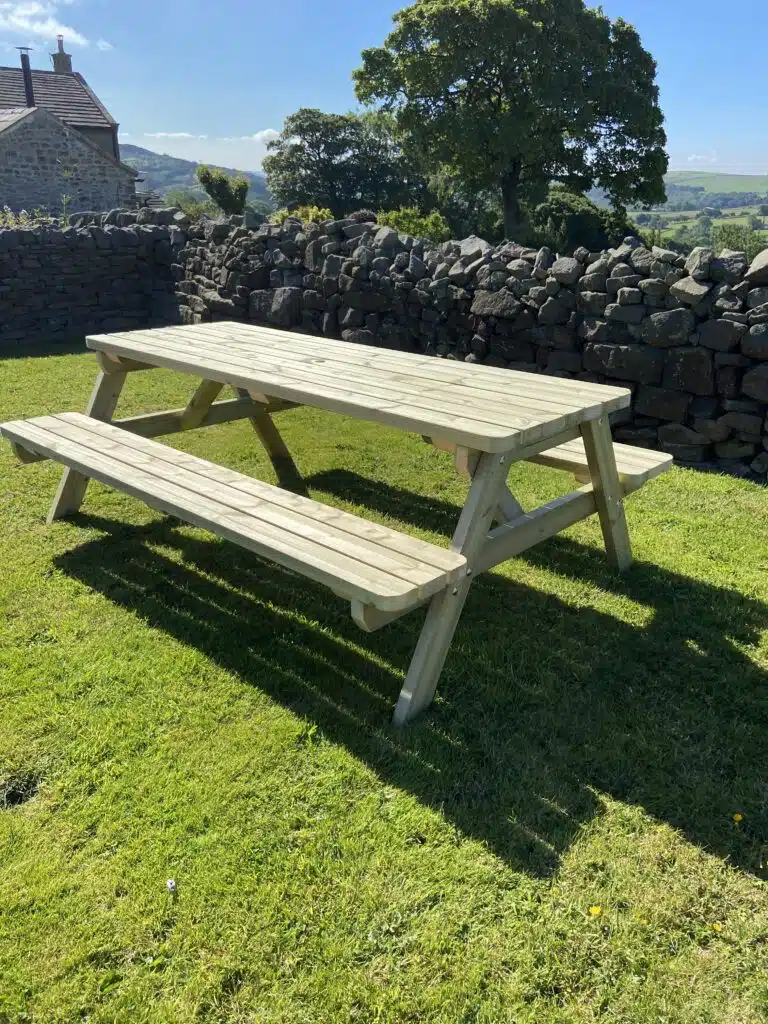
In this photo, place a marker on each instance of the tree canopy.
(340, 161)
(513, 94)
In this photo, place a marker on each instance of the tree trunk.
(513, 217)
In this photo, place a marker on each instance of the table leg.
(199, 404)
(288, 475)
(101, 406)
(467, 461)
(609, 494)
(445, 608)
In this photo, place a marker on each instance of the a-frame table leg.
(609, 494)
(445, 608)
(467, 460)
(288, 475)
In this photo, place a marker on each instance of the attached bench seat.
(357, 559)
(636, 466)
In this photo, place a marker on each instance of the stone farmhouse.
(58, 142)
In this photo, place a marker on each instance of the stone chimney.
(29, 92)
(62, 62)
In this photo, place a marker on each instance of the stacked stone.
(688, 336)
(102, 273)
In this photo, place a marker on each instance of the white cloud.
(173, 135)
(102, 44)
(703, 158)
(38, 21)
(262, 137)
(244, 152)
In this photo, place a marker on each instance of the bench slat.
(303, 517)
(636, 466)
(362, 561)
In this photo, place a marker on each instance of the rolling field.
(712, 182)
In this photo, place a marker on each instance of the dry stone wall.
(100, 274)
(688, 336)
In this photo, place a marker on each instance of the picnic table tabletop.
(488, 409)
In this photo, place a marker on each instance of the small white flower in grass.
(171, 886)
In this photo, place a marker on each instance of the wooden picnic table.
(489, 417)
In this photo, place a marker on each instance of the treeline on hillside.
(685, 198)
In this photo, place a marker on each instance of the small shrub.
(229, 194)
(739, 237)
(409, 221)
(316, 214)
(651, 237)
(23, 219)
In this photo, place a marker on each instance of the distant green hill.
(161, 172)
(712, 182)
(698, 190)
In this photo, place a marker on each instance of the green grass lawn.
(553, 842)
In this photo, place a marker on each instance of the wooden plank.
(357, 581)
(445, 609)
(373, 391)
(157, 424)
(507, 382)
(500, 408)
(101, 406)
(221, 475)
(305, 518)
(188, 343)
(609, 495)
(567, 393)
(636, 466)
(199, 404)
(477, 434)
(538, 397)
(511, 539)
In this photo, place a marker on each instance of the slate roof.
(68, 96)
(12, 116)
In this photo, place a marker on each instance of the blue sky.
(215, 81)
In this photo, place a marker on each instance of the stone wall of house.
(689, 337)
(58, 285)
(41, 161)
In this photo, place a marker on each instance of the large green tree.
(341, 161)
(513, 94)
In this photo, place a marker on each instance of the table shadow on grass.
(542, 705)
